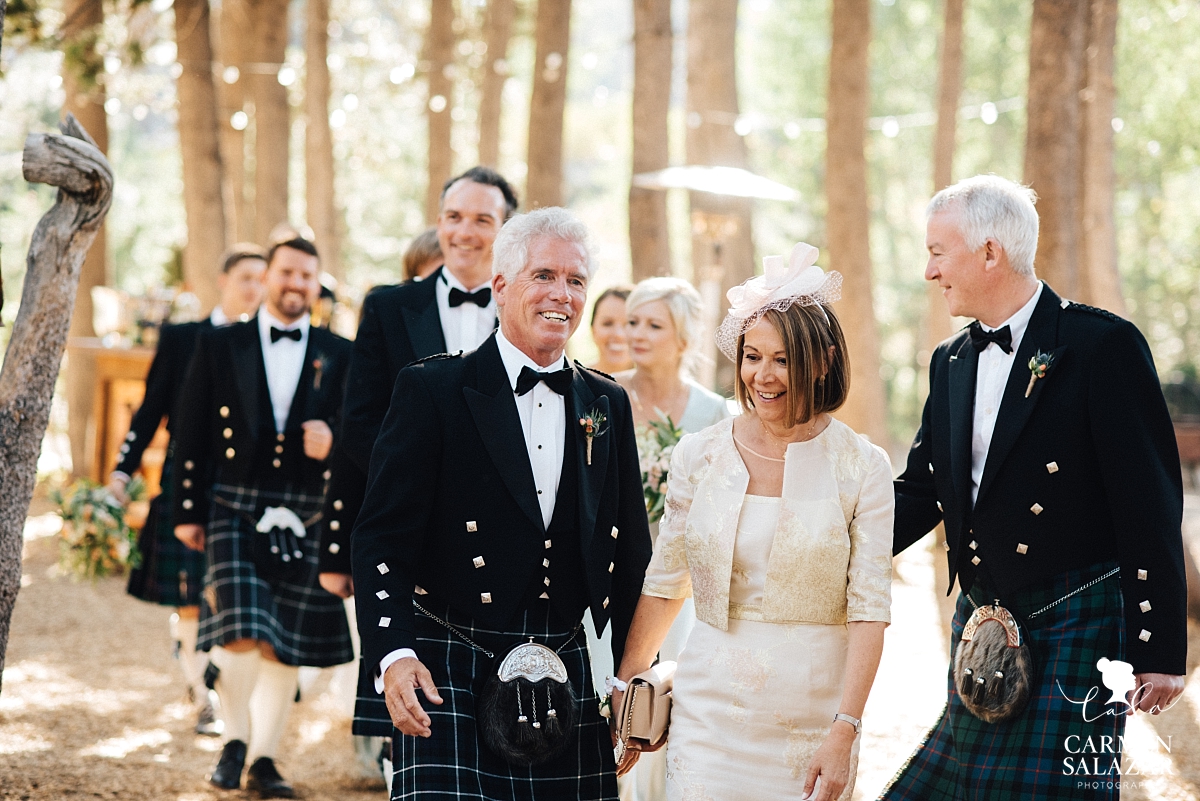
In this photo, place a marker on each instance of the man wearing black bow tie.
(450, 311)
(1046, 449)
(253, 434)
(488, 496)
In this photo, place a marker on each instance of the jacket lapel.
(1015, 408)
(305, 401)
(423, 323)
(963, 369)
(584, 402)
(494, 410)
(249, 372)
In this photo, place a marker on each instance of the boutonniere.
(593, 426)
(318, 370)
(1039, 365)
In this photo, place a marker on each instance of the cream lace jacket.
(831, 560)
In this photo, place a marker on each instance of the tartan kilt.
(454, 763)
(303, 623)
(171, 574)
(371, 716)
(965, 759)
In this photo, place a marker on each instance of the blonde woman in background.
(608, 330)
(665, 322)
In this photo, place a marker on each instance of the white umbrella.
(731, 181)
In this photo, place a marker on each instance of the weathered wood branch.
(76, 166)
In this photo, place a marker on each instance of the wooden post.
(544, 181)
(649, 245)
(500, 14)
(272, 120)
(319, 186)
(439, 49)
(60, 243)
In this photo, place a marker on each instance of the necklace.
(753, 452)
(807, 436)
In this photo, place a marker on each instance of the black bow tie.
(480, 297)
(280, 333)
(980, 338)
(559, 380)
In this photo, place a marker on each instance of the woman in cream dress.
(779, 524)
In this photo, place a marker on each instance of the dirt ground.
(93, 704)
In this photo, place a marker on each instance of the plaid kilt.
(964, 759)
(170, 574)
(303, 623)
(371, 716)
(454, 763)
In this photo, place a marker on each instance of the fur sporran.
(528, 710)
(993, 668)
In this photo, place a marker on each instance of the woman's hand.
(831, 763)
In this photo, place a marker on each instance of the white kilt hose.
(454, 763)
(303, 623)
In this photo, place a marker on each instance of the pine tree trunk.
(234, 31)
(56, 255)
(199, 142)
(83, 74)
(1052, 153)
(439, 49)
(1100, 279)
(722, 242)
(544, 181)
(318, 142)
(847, 227)
(272, 125)
(500, 14)
(938, 325)
(649, 245)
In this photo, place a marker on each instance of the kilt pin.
(452, 521)
(1081, 477)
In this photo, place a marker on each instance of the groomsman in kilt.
(496, 516)
(450, 311)
(1046, 449)
(254, 432)
(171, 574)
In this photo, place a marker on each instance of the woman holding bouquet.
(779, 524)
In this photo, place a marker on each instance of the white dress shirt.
(991, 377)
(284, 361)
(465, 327)
(543, 414)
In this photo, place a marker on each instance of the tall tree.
(498, 26)
(234, 29)
(318, 141)
(83, 88)
(649, 245)
(199, 143)
(847, 229)
(950, 71)
(272, 125)
(544, 181)
(439, 52)
(722, 243)
(1052, 142)
(57, 251)
(1100, 279)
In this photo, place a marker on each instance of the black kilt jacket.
(399, 325)
(176, 343)
(225, 427)
(451, 505)
(1083, 470)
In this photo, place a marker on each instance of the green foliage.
(23, 22)
(95, 539)
(656, 442)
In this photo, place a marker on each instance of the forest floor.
(93, 707)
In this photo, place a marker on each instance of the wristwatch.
(853, 721)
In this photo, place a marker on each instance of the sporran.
(993, 668)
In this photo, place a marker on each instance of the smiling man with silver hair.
(1046, 449)
(505, 488)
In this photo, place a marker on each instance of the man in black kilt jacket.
(450, 311)
(1046, 449)
(253, 435)
(492, 518)
(170, 573)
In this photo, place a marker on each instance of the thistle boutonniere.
(593, 426)
(318, 370)
(1039, 365)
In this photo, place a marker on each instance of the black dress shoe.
(266, 781)
(228, 773)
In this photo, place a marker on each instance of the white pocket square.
(280, 517)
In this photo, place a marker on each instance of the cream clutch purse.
(646, 709)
